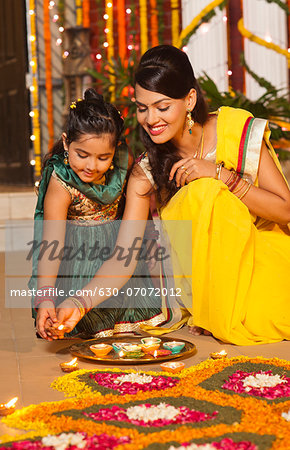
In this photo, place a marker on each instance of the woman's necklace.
(201, 142)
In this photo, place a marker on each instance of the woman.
(219, 172)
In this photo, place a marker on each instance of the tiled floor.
(28, 365)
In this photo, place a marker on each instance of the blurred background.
(51, 51)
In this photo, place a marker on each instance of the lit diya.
(8, 408)
(173, 367)
(132, 351)
(101, 349)
(69, 366)
(219, 355)
(59, 331)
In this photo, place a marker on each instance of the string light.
(32, 88)
(98, 56)
(106, 30)
(225, 19)
(32, 137)
(32, 38)
(106, 44)
(32, 162)
(31, 114)
(230, 73)
(204, 28)
(65, 54)
(128, 11)
(130, 47)
(106, 16)
(32, 63)
(109, 5)
(51, 5)
(185, 48)
(61, 29)
(268, 39)
(31, 12)
(58, 41)
(36, 183)
(55, 18)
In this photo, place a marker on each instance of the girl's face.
(91, 156)
(162, 117)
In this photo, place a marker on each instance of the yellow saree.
(240, 265)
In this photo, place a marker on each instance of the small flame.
(11, 403)
(121, 353)
(222, 353)
(155, 354)
(72, 362)
(61, 327)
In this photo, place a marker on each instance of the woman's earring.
(111, 167)
(190, 121)
(65, 159)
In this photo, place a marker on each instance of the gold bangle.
(244, 193)
(228, 181)
(244, 182)
(79, 305)
(218, 171)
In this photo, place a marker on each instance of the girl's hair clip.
(74, 104)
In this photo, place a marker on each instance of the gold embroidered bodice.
(83, 209)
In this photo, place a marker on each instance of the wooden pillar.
(235, 45)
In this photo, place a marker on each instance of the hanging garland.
(153, 23)
(174, 21)
(79, 13)
(247, 34)
(34, 114)
(143, 25)
(279, 3)
(121, 29)
(48, 71)
(205, 14)
(86, 13)
(110, 42)
(161, 26)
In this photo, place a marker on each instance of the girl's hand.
(46, 317)
(68, 315)
(189, 169)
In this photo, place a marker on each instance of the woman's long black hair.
(167, 70)
(89, 116)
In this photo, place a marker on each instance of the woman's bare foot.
(197, 331)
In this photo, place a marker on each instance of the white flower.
(134, 378)
(261, 380)
(64, 440)
(161, 411)
(194, 447)
(286, 415)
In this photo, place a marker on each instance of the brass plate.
(82, 350)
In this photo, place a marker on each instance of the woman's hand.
(46, 317)
(189, 169)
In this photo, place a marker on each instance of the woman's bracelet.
(78, 305)
(235, 182)
(230, 178)
(48, 296)
(218, 171)
(239, 188)
(246, 190)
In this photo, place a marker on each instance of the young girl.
(80, 198)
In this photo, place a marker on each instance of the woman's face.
(162, 117)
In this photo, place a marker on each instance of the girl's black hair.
(92, 115)
(167, 70)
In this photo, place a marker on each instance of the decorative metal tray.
(82, 350)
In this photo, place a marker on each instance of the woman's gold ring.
(187, 173)
(183, 168)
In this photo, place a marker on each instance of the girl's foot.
(197, 331)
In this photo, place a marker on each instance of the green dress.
(92, 224)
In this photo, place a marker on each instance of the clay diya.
(101, 349)
(69, 366)
(172, 366)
